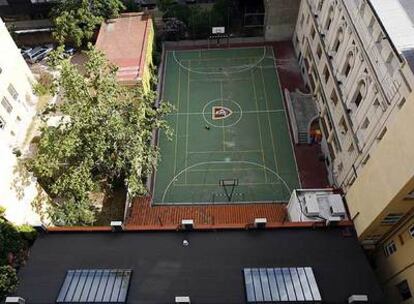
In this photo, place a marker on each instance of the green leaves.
(103, 137)
(76, 20)
(8, 281)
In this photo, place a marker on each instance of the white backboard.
(218, 30)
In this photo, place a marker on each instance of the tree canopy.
(76, 20)
(103, 137)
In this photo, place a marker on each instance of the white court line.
(268, 120)
(228, 151)
(176, 120)
(187, 134)
(243, 68)
(174, 179)
(258, 121)
(215, 185)
(236, 112)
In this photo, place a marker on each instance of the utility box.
(117, 226)
(260, 223)
(187, 224)
(182, 300)
(14, 300)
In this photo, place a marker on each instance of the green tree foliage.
(199, 20)
(14, 243)
(76, 20)
(103, 137)
(8, 281)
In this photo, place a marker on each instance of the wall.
(387, 178)
(398, 266)
(17, 187)
(280, 19)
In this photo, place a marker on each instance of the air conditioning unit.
(333, 220)
(40, 228)
(311, 205)
(336, 205)
(15, 300)
(182, 300)
(117, 226)
(260, 222)
(358, 299)
(187, 224)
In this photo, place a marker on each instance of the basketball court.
(231, 141)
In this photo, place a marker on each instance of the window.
(2, 123)
(320, 4)
(319, 52)
(326, 74)
(348, 64)
(358, 99)
(338, 40)
(392, 218)
(390, 248)
(95, 286)
(293, 284)
(6, 105)
(365, 124)
(334, 97)
(313, 32)
(404, 290)
(12, 91)
(330, 18)
(359, 94)
(343, 126)
(411, 231)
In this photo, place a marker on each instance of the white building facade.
(17, 109)
(357, 75)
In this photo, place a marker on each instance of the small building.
(127, 42)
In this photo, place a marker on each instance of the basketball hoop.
(229, 185)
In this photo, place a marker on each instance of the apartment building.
(17, 109)
(357, 58)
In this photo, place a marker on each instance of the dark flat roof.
(209, 270)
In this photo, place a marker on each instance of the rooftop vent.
(260, 222)
(117, 226)
(187, 224)
(15, 300)
(354, 299)
(182, 300)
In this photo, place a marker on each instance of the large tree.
(103, 137)
(76, 20)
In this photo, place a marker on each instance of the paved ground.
(209, 270)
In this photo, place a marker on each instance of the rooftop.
(124, 42)
(209, 269)
(397, 16)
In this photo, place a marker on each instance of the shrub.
(8, 281)
(28, 233)
(44, 84)
(10, 240)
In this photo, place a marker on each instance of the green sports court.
(231, 141)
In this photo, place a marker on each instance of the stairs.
(303, 138)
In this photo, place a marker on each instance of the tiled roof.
(239, 215)
(124, 42)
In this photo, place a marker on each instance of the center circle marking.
(221, 125)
